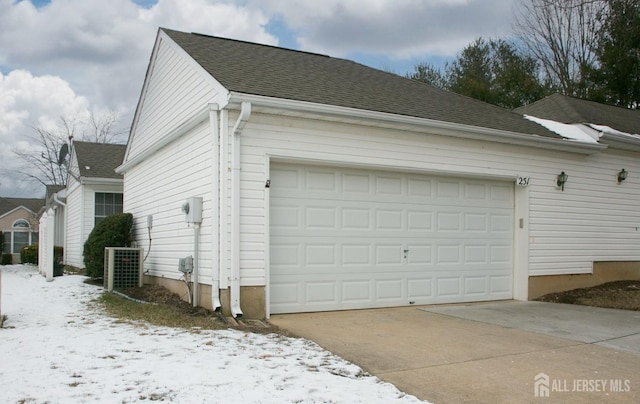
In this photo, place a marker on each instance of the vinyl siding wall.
(81, 219)
(158, 187)
(176, 90)
(594, 219)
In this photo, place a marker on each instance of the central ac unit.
(122, 267)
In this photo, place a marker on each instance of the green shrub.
(7, 259)
(29, 254)
(112, 231)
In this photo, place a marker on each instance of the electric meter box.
(192, 209)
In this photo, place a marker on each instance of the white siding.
(177, 88)
(74, 234)
(81, 219)
(593, 219)
(159, 186)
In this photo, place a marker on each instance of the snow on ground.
(55, 348)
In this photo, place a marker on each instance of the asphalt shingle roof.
(9, 204)
(565, 109)
(99, 160)
(250, 68)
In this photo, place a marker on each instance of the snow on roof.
(567, 131)
(609, 130)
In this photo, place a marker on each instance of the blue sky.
(68, 58)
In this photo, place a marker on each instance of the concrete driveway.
(488, 353)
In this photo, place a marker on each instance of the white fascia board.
(382, 119)
(100, 181)
(620, 141)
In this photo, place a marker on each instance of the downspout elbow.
(58, 201)
(243, 118)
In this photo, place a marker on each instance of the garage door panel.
(338, 239)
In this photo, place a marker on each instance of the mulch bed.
(623, 295)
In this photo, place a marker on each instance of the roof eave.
(617, 141)
(418, 124)
(101, 181)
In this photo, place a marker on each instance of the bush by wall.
(7, 259)
(112, 231)
(29, 254)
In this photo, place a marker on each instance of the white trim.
(267, 240)
(101, 181)
(521, 243)
(416, 124)
(187, 125)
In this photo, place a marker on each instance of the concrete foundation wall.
(252, 298)
(603, 272)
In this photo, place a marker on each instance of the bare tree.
(563, 36)
(42, 162)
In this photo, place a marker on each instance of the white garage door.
(345, 238)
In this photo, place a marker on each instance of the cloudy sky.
(67, 58)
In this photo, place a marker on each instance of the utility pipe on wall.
(215, 209)
(196, 262)
(245, 113)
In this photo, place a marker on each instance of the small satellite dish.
(64, 150)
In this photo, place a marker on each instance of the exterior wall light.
(562, 179)
(622, 175)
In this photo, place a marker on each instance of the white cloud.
(400, 28)
(73, 55)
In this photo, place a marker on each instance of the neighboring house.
(51, 224)
(93, 191)
(19, 223)
(328, 185)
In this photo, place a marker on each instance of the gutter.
(245, 113)
(100, 181)
(388, 120)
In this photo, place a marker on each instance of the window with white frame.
(106, 204)
(19, 236)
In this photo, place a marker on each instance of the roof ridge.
(253, 43)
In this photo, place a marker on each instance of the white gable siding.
(567, 230)
(159, 186)
(177, 88)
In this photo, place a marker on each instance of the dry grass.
(157, 306)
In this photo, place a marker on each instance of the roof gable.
(98, 160)
(264, 70)
(8, 205)
(565, 109)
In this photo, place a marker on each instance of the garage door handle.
(406, 252)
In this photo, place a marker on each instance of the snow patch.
(55, 348)
(609, 130)
(567, 131)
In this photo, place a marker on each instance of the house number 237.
(523, 181)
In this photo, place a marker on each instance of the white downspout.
(245, 113)
(215, 208)
(196, 263)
